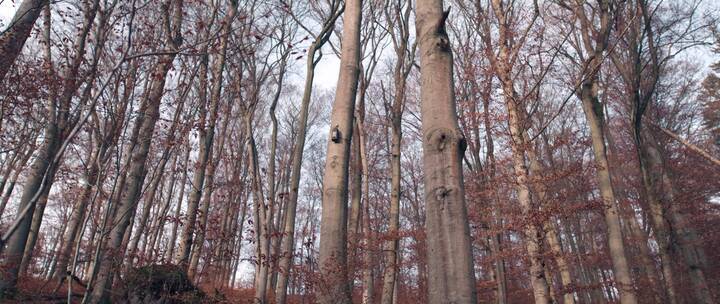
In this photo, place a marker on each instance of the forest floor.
(37, 290)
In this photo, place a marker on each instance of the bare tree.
(333, 230)
(451, 273)
(134, 177)
(288, 241)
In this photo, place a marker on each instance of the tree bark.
(450, 263)
(176, 218)
(333, 286)
(287, 245)
(594, 115)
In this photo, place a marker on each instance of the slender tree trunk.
(207, 135)
(35, 225)
(666, 213)
(186, 239)
(403, 67)
(137, 155)
(176, 218)
(594, 115)
(286, 253)
(496, 239)
(261, 219)
(533, 237)
(35, 180)
(147, 205)
(549, 229)
(333, 229)
(18, 168)
(520, 147)
(391, 246)
(159, 222)
(450, 264)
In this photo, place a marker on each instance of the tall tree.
(451, 275)
(595, 29)
(287, 246)
(142, 134)
(398, 18)
(62, 124)
(333, 229)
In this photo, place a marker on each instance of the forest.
(360, 151)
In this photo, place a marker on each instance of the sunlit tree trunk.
(595, 32)
(503, 66)
(549, 230)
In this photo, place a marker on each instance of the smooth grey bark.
(451, 275)
(271, 174)
(263, 241)
(205, 141)
(198, 182)
(333, 286)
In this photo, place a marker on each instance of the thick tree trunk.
(450, 264)
(333, 286)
